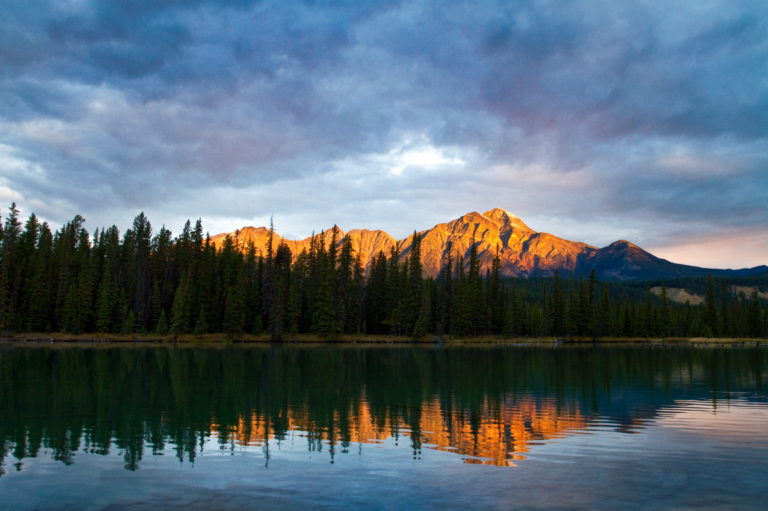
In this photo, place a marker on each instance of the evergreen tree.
(357, 293)
(376, 296)
(322, 278)
(129, 326)
(234, 315)
(496, 296)
(603, 315)
(414, 287)
(258, 326)
(515, 317)
(394, 292)
(105, 307)
(725, 318)
(664, 313)
(424, 319)
(463, 321)
(206, 295)
(142, 294)
(202, 326)
(325, 317)
(180, 312)
(344, 298)
(755, 313)
(70, 320)
(39, 319)
(557, 307)
(474, 294)
(268, 282)
(446, 291)
(26, 247)
(8, 268)
(162, 324)
(649, 317)
(710, 309)
(280, 304)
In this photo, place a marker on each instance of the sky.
(591, 120)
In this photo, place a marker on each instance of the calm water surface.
(383, 428)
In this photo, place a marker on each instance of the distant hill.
(523, 251)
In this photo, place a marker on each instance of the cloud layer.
(591, 120)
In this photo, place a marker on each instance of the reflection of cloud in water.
(734, 421)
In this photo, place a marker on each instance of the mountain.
(523, 251)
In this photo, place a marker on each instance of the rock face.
(523, 251)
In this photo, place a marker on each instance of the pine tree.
(26, 247)
(603, 314)
(268, 291)
(355, 312)
(376, 295)
(204, 295)
(514, 317)
(162, 265)
(9, 268)
(710, 309)
(180, 312)
(87, 284)
(725, 317)
(39, 319)
(162, 324)
(129, 327)
(755, 313)
(424, 319)
(664, 313)
(463, 321)
(293, 307)
(250, 273)
(649, 317)
(414, 286)
(591, 306)
(234, 315)
(105, 307)
(258, 326)
(394, 292)
(282, 282)
(70, 321)
(495, 299)
(558, 312)
(325, 317)
(474, 295)
(201, 323)
(445, 279)
(343, 279)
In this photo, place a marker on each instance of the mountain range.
(523, 251)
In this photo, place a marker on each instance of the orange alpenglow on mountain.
(523, 252)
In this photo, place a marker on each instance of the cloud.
(589, 120)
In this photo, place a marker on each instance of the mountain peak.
(623, 244)
(506, 219)
(499, 213)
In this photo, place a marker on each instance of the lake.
(406, 427)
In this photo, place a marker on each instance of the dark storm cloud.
(606, 117)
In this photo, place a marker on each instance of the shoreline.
(58, 338)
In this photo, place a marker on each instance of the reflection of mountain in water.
(489, 405)
(497, 435)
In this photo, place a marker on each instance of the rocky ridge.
(523, 251)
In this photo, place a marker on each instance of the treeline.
(145, 282)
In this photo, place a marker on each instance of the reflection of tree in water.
(487, 403)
